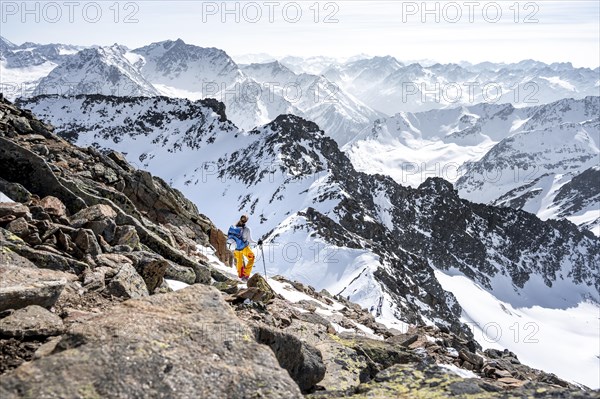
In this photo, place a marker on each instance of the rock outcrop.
(185, 344)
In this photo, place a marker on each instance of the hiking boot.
(244, 279)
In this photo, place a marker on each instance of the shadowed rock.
(32, 321)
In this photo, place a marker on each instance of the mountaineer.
(242, 236)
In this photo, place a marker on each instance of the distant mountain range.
(387, 85)
(369, 178)
(253, 95)
(524, 158)
(342, 97)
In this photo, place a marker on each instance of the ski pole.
(263, 258)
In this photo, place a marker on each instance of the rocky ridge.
(84, 254)
(296, 179)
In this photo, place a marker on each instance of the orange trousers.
(239, 260)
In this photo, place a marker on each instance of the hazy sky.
(444, 31)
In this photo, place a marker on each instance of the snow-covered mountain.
(313, 65)
(32, 54)
(318, 99)
(496, 154)
(270, 72)
(180, 66)
(343, 97)
(101, 70)
(183, 70)
(389, 86)
(22, 66)
(6, 46)
(359, 235)
(254, 95)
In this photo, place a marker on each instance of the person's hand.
(260, 242)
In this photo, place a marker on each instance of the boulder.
(150, 266)
(314, 318)
(46, 259)
(218, 241)
(345, 368)
(22, 284)
(86, 241)
(202, 272)
(53, 206)
(95, 212)
(303, 362)
(254, 294)
(94, 280)
(19, 164)
(22, 125)
(104, 228)
(126, 235)
(13, 208)
(183, 344)
(39, 213)
(382, 353)
(229, 286)
(32, 321)
(266, 292)
(180, 273)
(113, 261)
(20, 227)
(472, 358)
(15, 191)
(127, 283)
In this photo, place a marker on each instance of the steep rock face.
(46, 165)
(442, 229)
(580, 194)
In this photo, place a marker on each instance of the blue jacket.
(241, 235)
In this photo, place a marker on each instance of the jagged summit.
(294, 125)
(5, 44)
(102, 70)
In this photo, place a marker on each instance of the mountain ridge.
(305, 196)
(88, 328)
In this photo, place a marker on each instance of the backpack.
(236, 234)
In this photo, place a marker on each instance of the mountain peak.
(6, 46)
(437, 185)
(293, 125)
(296, 121)
(7, 43)
(387, 58)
